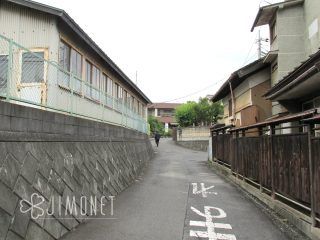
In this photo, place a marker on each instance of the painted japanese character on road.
(204, 191)
(211, 213)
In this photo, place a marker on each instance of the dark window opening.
(3, 72)
(32, 67)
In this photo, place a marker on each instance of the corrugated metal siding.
(9, 20)
(29, 28)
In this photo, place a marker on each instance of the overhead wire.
(248, 58)
(196, 92)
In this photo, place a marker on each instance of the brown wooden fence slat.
(316, 160)
(250, 156)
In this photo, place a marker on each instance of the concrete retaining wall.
(57, 156)
(199, 145)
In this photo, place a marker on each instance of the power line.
(246, 59)
(193, 93)
(211, 85)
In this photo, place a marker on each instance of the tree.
(155, 125)
(202, 113)
(186, 114)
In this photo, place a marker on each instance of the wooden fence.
(286, 166)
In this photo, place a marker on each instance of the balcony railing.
(28, 77)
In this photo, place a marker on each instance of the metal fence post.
(122, 110)
(311, 174)
(236, 163)
(223, 136)
(211, 135)
(244, 166)
(260, 160)
(71, 93)
(10, 69)
(102, 99)
(272, 132)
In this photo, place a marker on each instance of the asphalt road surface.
(179, 197)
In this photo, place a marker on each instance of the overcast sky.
(177, 47)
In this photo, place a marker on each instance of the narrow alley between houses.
(179, 197)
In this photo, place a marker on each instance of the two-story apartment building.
(164, 112)
(47, 60)
(242, 93)
(294, 35)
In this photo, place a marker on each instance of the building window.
(32, 67)
(135, 104)
(88, 79)
(115, 90)
(129, 100)
(274, 67)
(109, 86)
(273, 32)
(92, 81)
(76, 63)
(3, 73)
(125, 97)
(70, 61)
(103, 83)
(64, 56)
(132, 103)
(95, 83)
(140, 109)
(120, 92)
(106, 88)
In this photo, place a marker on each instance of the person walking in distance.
(157, 137)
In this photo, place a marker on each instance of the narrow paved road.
(178, 197)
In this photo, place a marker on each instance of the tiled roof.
(164, 105)
(167, 119)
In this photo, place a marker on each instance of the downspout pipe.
(233, 103)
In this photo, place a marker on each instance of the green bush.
(155, 126)
(197, 113)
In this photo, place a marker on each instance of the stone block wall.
(56, 156)
(199, 145)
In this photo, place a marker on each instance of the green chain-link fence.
(30, 78)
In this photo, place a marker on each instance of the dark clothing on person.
(157, 137)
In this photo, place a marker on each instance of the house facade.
(299, 91)
(294, 36)
(242, 93)
(165, 113)
(47, 60)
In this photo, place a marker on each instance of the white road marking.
(210, 224)
(212, 236)
(203, 191)
(209, 214)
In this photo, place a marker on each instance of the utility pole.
(259, 42)
(259, 45)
